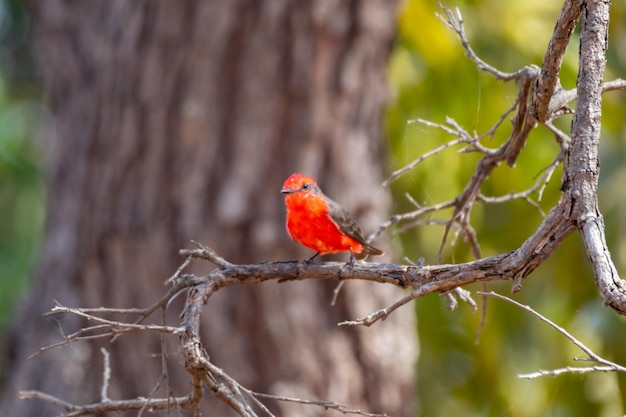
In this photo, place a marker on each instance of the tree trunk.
(178, 121)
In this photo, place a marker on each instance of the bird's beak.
(287, 191)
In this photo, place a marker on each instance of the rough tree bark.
(180, 120)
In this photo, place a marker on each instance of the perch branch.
(422, 279)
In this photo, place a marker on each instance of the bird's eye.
(306, 186)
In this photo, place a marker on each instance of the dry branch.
(551, 67)
(539, 100)
(136, 404)
(583, 168)
(604, 364)
(423, 280)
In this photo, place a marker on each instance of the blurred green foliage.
(21, 180)
(432, 79)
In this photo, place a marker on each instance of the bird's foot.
(350, 263)
(308, 261)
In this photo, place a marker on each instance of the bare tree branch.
(136, 404)
(455, 22)
(536, 188)
(59, 309)
(548, 80)
(583, 169)
(562, 97)
(106, 375)
(325, 404)
(591, 355)
(539, 100)
(567, 369)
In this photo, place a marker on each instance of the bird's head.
(298, 183)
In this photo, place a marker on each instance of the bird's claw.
(308, 261)
(350, 263)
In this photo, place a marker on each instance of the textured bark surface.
(180, 120)
(584, 162)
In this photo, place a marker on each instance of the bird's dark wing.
(344, 220)
(349, 226)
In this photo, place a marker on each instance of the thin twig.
(164, 373)
(567, 369)
(77, 337)
(179, 270)
(381, 314)
(106, 375)
(591, 355)
(336, 292)
(453, 129)
(206, 253)
(73, 410)
(455, 22)
(48, 398)
(325, 404)
(117, 324)
(412, 215)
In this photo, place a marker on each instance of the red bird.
(321, 224)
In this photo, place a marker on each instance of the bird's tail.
(368, 250)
